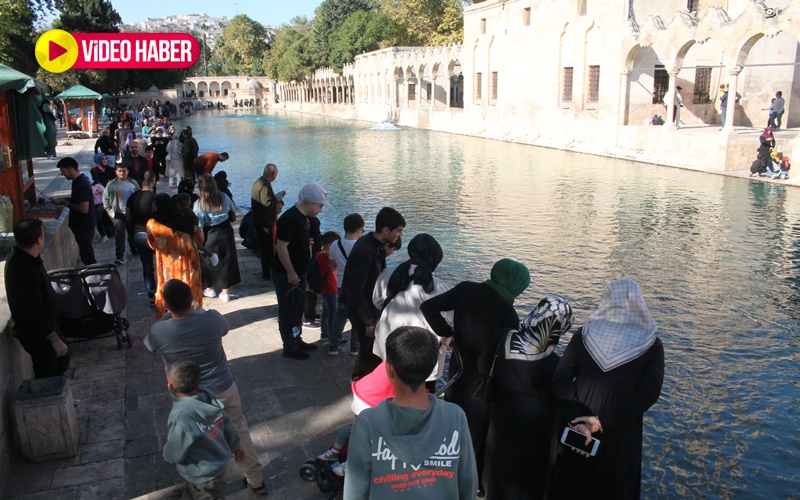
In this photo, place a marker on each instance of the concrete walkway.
(293, 407)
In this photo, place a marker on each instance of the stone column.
(448, 91)
(623, 96)
(730, 111)
(669, 99)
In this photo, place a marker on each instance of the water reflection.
(717, 259)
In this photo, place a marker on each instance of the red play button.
(56, 50)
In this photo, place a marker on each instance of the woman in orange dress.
(172, 234)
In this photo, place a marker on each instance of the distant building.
(185, 23)
(585, 75)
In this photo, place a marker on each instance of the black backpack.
(313, 278)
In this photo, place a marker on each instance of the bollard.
(46, 421)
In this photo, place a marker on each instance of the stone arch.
(225, 87)
(641, 87)
(202, 89)
(701, 79)
(213, 90)
(440, 79)
(412, 84)
(191, 89)
(567, 58)
(424, 91)
(782, 51)
(455, 77)
(399, 83)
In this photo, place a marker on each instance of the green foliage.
(361, 32)
(426, 22)
(241, 49)
(17, 37)
(328, 17)
(290, 56)
(88, 16)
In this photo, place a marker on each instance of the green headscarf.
(509, 278)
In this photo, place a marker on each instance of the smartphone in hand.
(577, 440)
(280, 193)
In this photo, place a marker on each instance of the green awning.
(79, 92)
(11, 79)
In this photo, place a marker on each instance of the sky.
(267, 12)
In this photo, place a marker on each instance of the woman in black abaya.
(518, 446)
(479, 311)
(611, 373)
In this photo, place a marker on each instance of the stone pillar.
(669, 99)
(624, 101)
(448, 88)
(733, 84)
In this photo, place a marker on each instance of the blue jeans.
(329, 307)
(147, 256)
(281, 282)
(339, 321)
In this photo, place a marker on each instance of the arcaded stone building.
(587, 75)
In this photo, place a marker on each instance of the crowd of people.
(768, 161)
(501, 431)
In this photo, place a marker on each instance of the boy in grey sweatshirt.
(200, 435)
(413, 444)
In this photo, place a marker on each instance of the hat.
(313, 193)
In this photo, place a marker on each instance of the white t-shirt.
(403, 309)
(341, 261)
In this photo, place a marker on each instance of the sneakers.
(103, 239)
(224, 297)
(214, 259)
(296, 354)
(119, 262)
(339, 468)
(354, 352)
(333, 350)
(305, 346)
(330, 456)
(210, 293)
(311, 324)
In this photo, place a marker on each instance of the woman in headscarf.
(399, 291)
(172, 234)
(479, 311)
(611, 373)
(174, 160)
(518, 446)
(216, 213)
(764, 160)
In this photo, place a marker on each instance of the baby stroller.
(367, 392)
(90, 303)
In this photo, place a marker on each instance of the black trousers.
(366, 361)
(266, 247)
(85, 245)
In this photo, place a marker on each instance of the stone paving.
(293, 407)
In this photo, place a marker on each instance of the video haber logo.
(57, 51)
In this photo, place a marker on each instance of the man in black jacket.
(366, 261)
(190, 152)
(33, 302)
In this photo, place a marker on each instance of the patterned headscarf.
(539, 332)
(621, 329)
(509, 278)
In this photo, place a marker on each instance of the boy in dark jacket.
(415, 444)
(200, 435)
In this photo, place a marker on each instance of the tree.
(426, 22)
(88, 16)
(241, 49)
(17, 36)
(290, 56)
(361, 32)
(328, 17)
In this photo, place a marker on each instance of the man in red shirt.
(205, 163)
